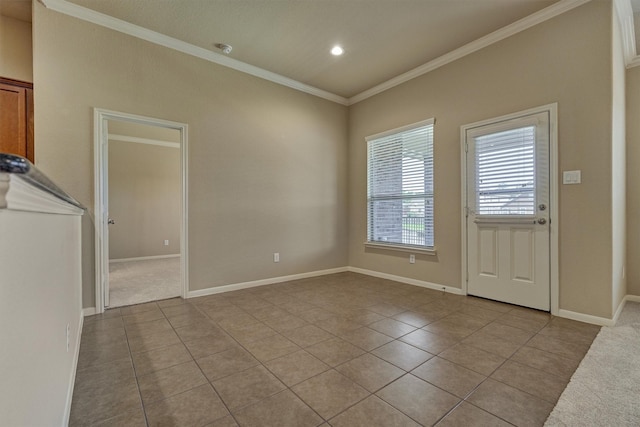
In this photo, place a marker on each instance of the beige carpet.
(135, 282)
(605, 389)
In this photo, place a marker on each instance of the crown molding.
(624, 12)
(76, 11)
(85, 14)
(525, 23)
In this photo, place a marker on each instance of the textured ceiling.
(382, 38)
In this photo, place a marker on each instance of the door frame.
(554, 270)
(101, 168)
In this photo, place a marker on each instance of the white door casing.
(101, 208)
(104, 223)
(508, 206)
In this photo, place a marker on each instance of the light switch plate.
(571, 177)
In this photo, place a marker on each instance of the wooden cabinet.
(16, 118)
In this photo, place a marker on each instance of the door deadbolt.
(542, 206)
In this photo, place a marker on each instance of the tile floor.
(338, 350)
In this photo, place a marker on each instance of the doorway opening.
(140, 209)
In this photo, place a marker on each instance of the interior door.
(507, 211)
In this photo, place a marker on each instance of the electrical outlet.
(276, 257)
(68, 337)
(412, 259)
(166, 243)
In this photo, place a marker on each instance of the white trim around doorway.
(100, 137)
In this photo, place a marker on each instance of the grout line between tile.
(135, 374)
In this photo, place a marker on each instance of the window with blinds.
(400, 186)
(505, 172)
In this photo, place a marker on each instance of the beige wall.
(16, 54)
(144, 199)
(565, 60)
(267, 164)
(633, 180)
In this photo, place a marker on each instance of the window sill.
(401, 248)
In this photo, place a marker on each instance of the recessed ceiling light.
(337, 50)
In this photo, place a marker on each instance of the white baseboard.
(270, 281)
(74, 368)
(616, 315)
(586, 318)
(602, 321)
(262, 282)
(415, 282)
(144, 258)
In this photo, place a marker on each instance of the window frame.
(398, 246)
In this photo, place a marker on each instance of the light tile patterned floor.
(340, 350)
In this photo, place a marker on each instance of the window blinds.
(400, 186)
(505, 177)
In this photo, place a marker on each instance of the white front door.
(507, 210)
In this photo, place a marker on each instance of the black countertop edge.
(13, 164)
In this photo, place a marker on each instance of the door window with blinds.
(505, 172)
(509, 172)
(400, 186)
